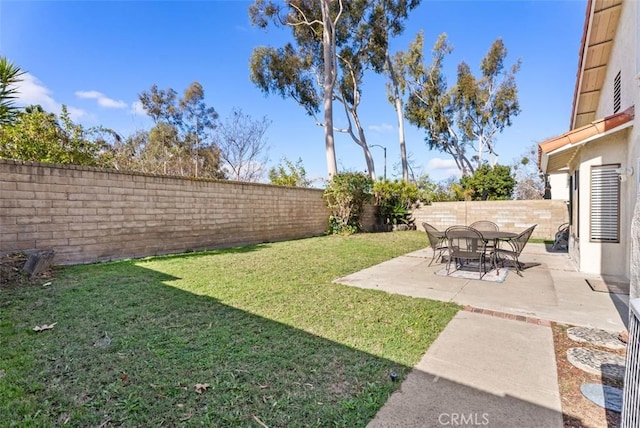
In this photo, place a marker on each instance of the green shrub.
(489, 183)
(346, 195)
(394, 200)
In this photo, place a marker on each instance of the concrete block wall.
(513, 216)
(89, 214)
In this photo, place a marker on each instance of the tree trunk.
(329, 81)
(398, 106)
(365, 148)
(403, 149)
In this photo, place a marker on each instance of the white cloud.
(383, 127)
(31, 92)
(446, 167)
(137, 109)
(437, 163)
(102, 99)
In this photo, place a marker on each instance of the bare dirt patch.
(12, 275)
(578, 411)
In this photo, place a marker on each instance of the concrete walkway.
(490, 371)
(495, 368)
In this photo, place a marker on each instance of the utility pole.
(385, 158)
(197, 147)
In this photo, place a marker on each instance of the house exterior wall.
(559, 182)
(621, 60)
(597, 257)
(622, 147)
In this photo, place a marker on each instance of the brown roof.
(600, 25)
(576, 137)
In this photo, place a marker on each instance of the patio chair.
(561, 239)
(465, 244)
(437, 241)
(516, 245)
(484, 225)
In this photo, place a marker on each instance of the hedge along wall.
(512, 216)
(89, 214)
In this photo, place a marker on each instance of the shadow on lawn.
(130, 350)
(199, 253)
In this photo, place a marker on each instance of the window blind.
(605, 204)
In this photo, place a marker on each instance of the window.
(605, 204)
(616, 93)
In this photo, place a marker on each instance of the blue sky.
(96, 57)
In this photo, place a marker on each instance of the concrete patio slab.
(481, 371)
(550, 288)
(493, 365)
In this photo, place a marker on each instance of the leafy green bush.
(427, 189)
(394, 200)
(346, 195)
(489, 183)
(35, 135)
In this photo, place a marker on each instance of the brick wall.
(89, 214)
(512, 216)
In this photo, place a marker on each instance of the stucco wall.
(559, 183)
(89, 214)
(614, 259)
(514, 216)
(621, 60)
(598, 257)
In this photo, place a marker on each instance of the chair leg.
(517, 266)
(494, 262)
(433, 258)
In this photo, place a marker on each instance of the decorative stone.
(596, 337)
(604, 396)
(597, 362)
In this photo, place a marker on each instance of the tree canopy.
(242, 145)
(463, 120)
(530, 182)
(489, 183)
(291, 71)
(336, 42)
(181, 140)
(36, 135)
(287, 173)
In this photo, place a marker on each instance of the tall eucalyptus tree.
(359, 43)
(181, 140)
(465, 118)
(291, 71)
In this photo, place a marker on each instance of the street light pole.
(385, 158)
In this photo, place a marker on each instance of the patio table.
(488, 235)
(497, 235)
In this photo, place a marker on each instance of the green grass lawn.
(275, 340)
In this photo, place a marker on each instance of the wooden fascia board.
(581, 58)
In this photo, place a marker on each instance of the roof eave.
(583, 52)
(583, 135)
